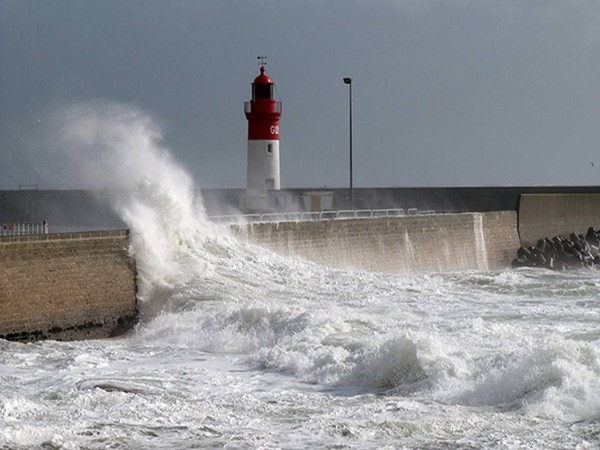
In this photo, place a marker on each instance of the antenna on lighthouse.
(263, 60)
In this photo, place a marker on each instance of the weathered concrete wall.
(66, 286)
(396, 244)
(548, 215)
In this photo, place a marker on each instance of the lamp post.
(348, 81)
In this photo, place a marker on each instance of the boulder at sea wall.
(560, 253)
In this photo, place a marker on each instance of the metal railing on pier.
(23, 229)
(316, 216)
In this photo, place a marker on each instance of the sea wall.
(66, 286)
(548, 215)
(83, 285)
(396, 244)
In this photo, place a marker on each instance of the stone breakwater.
(66, 286)
(560, 253)
(444, 242)
(83, 285)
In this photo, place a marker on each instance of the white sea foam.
(117, 151)
(243, 348)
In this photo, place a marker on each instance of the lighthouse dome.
(263, 78)
(262, 87)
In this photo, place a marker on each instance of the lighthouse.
(263, 113)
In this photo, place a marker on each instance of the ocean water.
(241, 348)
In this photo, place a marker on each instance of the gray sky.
(445, 92)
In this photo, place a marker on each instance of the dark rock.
(559, 253)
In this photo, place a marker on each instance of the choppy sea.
(240, 348)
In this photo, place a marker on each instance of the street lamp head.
(347, 80)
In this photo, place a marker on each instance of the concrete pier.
(66, 286)
(440, 242)
(83, 285)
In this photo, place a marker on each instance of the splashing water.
(242, 348)
(117, 150)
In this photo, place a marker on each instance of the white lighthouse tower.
(263, 114)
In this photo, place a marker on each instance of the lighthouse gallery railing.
(248, 107)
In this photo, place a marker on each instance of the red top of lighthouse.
(263, 78)
(263, 111)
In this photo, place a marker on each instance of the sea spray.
(117, 151)
(272, 309)
(260, 350)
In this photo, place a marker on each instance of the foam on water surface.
(241, 348)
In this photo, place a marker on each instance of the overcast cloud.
(446, 92)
